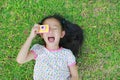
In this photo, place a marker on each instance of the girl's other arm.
(25, 55)
(74, 72)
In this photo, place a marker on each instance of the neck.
(52, 47)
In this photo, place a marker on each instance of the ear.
(62, 34)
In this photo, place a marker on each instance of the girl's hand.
(34, 31)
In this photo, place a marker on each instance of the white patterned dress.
(52, 65)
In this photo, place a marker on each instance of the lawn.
(100, 20)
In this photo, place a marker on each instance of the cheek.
(58, 33)
(44, 36)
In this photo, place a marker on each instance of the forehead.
(52, 22)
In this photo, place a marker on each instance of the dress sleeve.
(71, 59)
(35, 50)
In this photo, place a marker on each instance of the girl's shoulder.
(69, 56)
(67, 51)
(37, 46)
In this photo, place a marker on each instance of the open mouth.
(51, 39)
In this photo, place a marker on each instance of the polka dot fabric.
(52, 65)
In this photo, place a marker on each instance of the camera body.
(43, 28)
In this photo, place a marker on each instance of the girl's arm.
(74, 72)
(25, 55)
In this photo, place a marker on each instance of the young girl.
(54, 59)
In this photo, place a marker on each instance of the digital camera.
(43, 28)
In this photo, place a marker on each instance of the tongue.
(51, 39)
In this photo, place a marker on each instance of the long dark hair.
(73, 38)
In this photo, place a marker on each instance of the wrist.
(30, 38)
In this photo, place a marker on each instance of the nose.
(50, 30)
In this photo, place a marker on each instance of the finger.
(36, 25)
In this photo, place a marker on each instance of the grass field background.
(100, 20)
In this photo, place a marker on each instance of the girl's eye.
(54, 28)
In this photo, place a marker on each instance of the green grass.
(100, 57)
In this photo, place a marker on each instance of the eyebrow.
(56, 26)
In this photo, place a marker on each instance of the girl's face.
(52, 38)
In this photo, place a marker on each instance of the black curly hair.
(73, 38)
